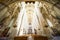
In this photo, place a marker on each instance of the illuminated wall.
(30, 17)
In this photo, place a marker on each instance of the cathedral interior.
(29, 19)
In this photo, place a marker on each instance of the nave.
(29, 20)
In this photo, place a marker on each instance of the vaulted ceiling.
(7, 2)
